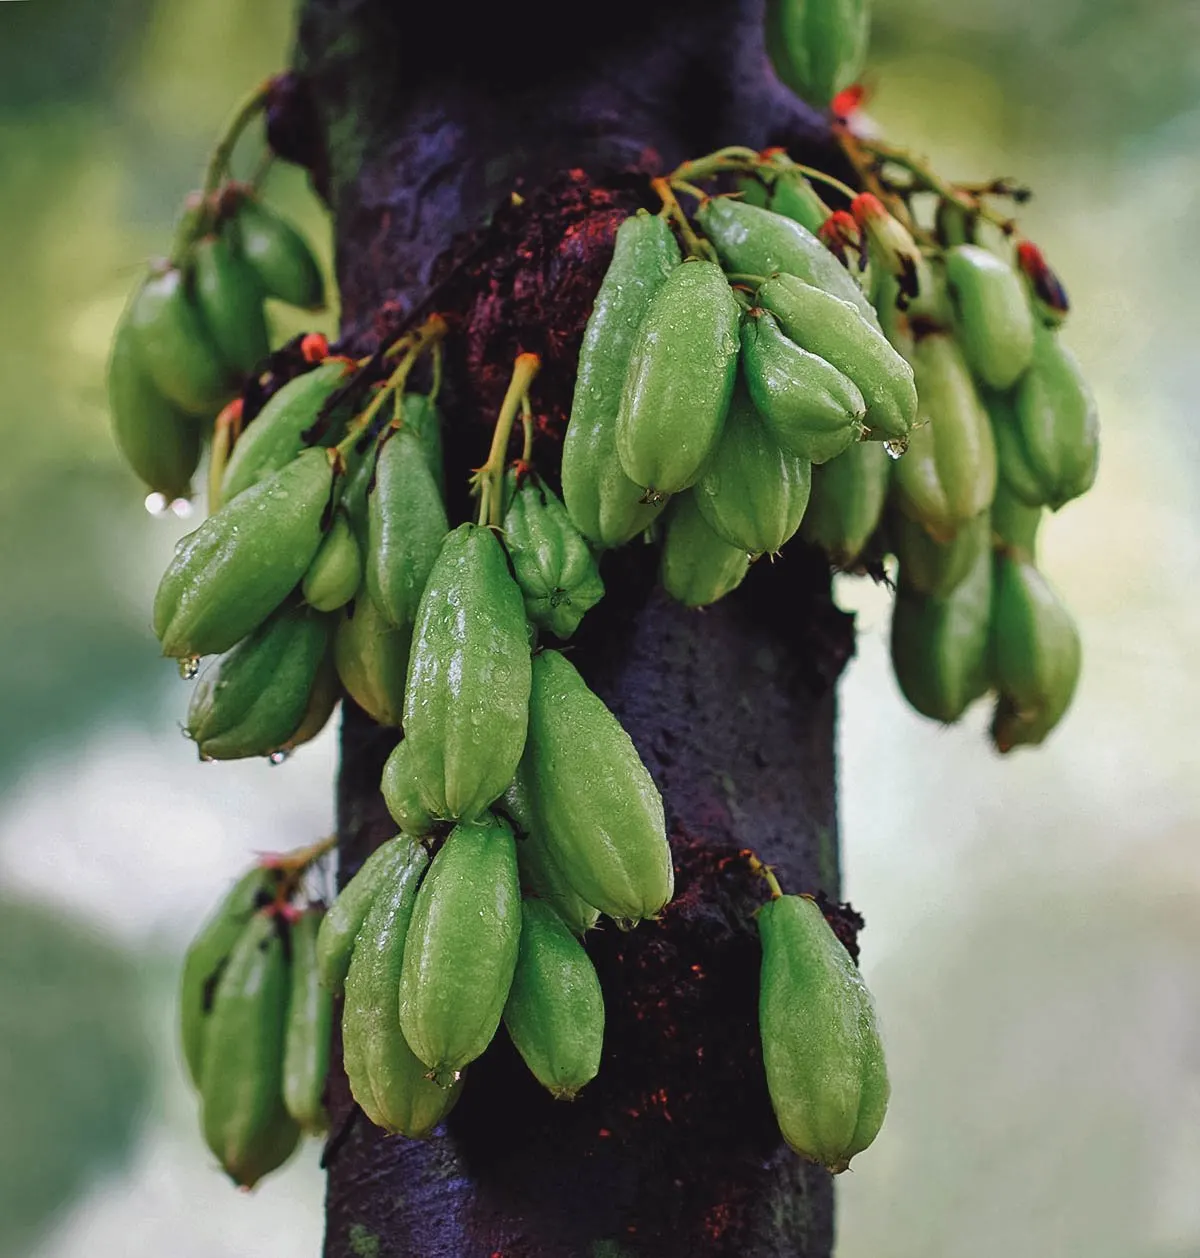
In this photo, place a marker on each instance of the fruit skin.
(697, 567)
(387, 865)
(812, 410)
(242, 1112)
(230, 574)
(208, 954)
(461, 948)
(818, 47)
(386, 1077)
(932, 567)
(940, 645)
(555, 1009)
(551, 561)
(325, 695)
(371, 656)
(306, 1038)
(821, 1049)
(833, 329)
(792, 195)
(466, 701)
(846, 501)
(230, 299)
(406, 523)
(1015, 525)
(401, 795)
(278, 254)
(602, 815)
(158, 440)
(335, 574)
(253, 699)
(603, 502)
(992, 316)
(423, 419)
(752, 494)
(752, 241)
(948, 474)
(275, 436)
(680, 379)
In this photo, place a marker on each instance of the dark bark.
(429, 120)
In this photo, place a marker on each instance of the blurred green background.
(1034, 939)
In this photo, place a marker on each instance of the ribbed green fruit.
(335, 574)
(402, 795)
(697, 567)
(992, 316)
(818, 47)
(372, 660)
(230, 300)
(846, 502)
(423, 419)
(279, 255)
(306, 1037)
(1014, 524)
(937, 568)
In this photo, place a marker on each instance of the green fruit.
(160, 443)
(335, 574)
(1013, 469)
(948, 474)
(794, 197)
(276, 434)
(406, 523)
(940, 645)
(372, 660)
(846, 501)
(818, 47)
(697, 567)
(173, 346)
(833, 329)
(306, 1037)
(1014, 524)
(555, 1009)
(253, 699)
(423, 419)
(551, 561)
(230, 300)
(601, 815)
(461, 948)
(812, 410)
(992, 317)
(401, 794)
(1035, 655)
(386, 1077)
(821, 1049)
(325, 695)
(209, 953)
(751, 494)
(230, 574)
(354, 494)
(466, 701)
(279, 255)
(681, 372)
(242, 1111)
(604, 503)
(386, 866)
(936, 568)
(750, 241)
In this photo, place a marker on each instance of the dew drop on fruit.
(189, 666)
(278, 757)
(182, 508)
(156, 503)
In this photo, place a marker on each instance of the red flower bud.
(890, 241)
(1047, 287)
(314, 347)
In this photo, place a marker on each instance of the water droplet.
(896, 447)
(278, 757)
(189, 666)
(156, 503)
(206, 759)
(182, 508)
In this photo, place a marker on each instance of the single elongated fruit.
(551, 561)
(372, 660)
(752, 494)
(846, 501)
(276, 434)
(821, 1049)
(208, 955)
(603, 502)
(697, 567)
(402, 795)
(335, 574)
(466, 702)
(230, 574)
(1012, 462)
(932, 567)
(279, 255)
(812, 409)
(306, 1037)
(752, 241)
(461, 948)
(423, 419)
(791, 194)
(940, 645)
(834, 330)
(1035, 655)
(818, 47)
(601, 812)
(174, 347)
(230, 300)
(325, 695)
(1015, 525)
(159, 441)
(251, 700)
(680, 378)
(555, 1009)
(241, 1079)
(388, 865)
(406, 524)
(948, 474)
(386, 1077)
(992, 315)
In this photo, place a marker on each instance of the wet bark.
(428, 118)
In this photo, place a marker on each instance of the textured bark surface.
(430, 119)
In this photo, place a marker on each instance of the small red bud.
(1047, 287)
(314, 347)
(839, 233)
(848, 101)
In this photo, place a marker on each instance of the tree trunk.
(429, 117)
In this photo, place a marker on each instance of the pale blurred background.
(1034, 923)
